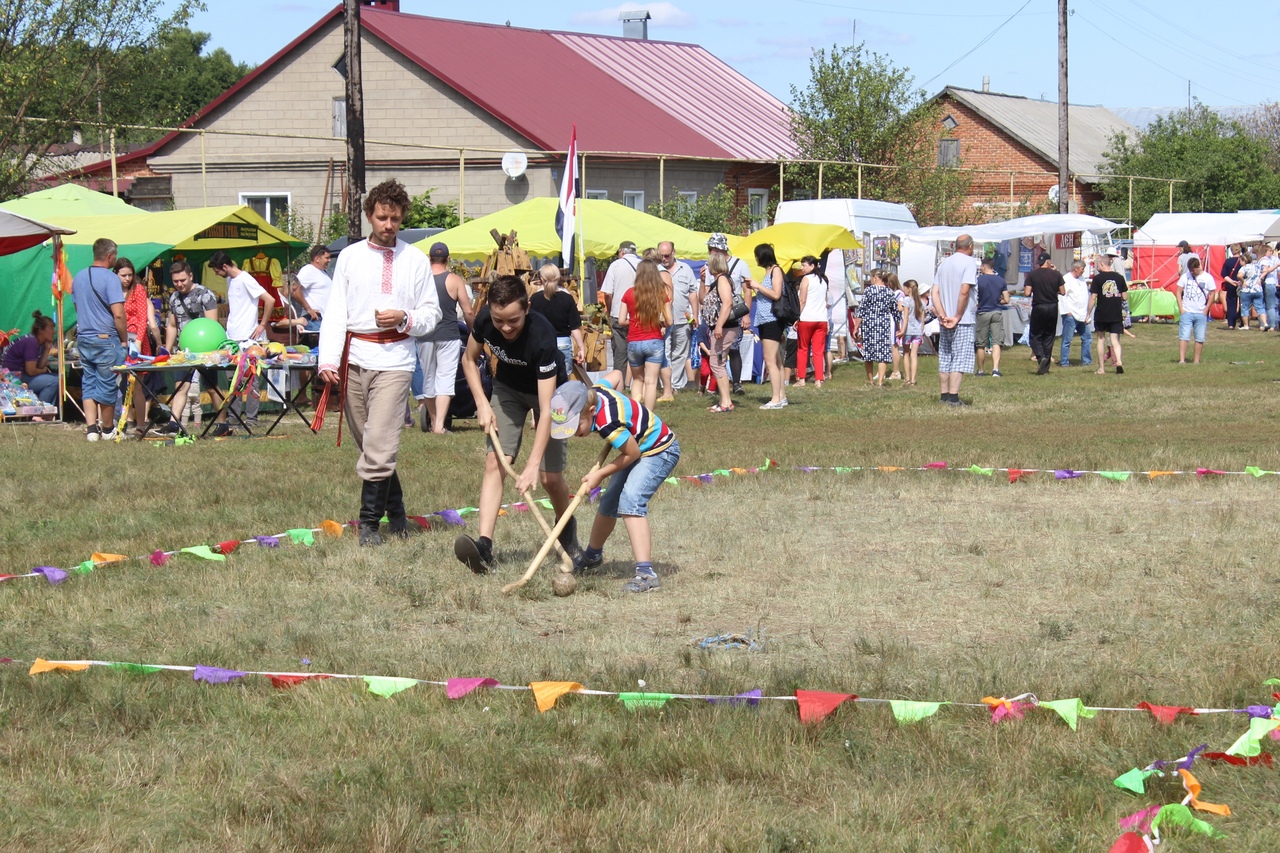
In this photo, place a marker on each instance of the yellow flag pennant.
(42, 665)
(547, 692)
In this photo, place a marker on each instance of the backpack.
(787, 307)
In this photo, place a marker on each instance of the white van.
(864, 216)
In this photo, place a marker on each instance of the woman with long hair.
(717, 307)
(769, 291)
(140, 323)
(812, 327)
(647, 310)
(913, 330)
(28, 356)
(873, 325)
(664, 373)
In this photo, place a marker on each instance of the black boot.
(397, 523)
(569, 539)
(373, 500)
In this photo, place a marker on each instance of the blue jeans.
(44, 386)
(97, 357)
(1249, 301)
(640, 353)
(628, 491)
(1070, 325)
(1189, 322)
(565, 345)
(1269, 295)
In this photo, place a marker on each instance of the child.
(648, 451)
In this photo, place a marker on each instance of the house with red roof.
(444, 100)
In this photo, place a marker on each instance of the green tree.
(858, 107)
(60, 60)
(423, 214)
(714, 211)
(1225, 168)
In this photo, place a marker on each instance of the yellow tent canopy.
(602, 226)
(203, 229)
(56, 203)
(791, 241)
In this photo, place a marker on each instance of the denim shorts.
(97, 357)
(1187, 321)
(640, 353)
(629, 490)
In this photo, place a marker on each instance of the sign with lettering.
(230, 231)
(1067, 241)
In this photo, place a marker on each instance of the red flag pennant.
(228, 546)
(421, 520)
(1016, 474)
(815, 705)
(284, 682)
(1238, 761)
(6, 577)
(936, 465)
(1166, 713)
(1130, 842)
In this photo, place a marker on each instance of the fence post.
(462, 183)
(820, 165)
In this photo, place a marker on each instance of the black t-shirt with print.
(560, 309)
(533, 355)
(1109, 287)
(1044, 284)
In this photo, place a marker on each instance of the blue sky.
(1124, 53)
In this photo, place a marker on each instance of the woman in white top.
(812, 328)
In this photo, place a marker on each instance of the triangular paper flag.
(216, 674)
(1070, 710)
(1135, 780)
(227, 547)
(816, 705)
(1250, 743)
(108, 558)
(1256, 471)
(53, 575)
(1193, 790)
(134, 668)
(302, 536)
(1202, 472)
(1140, 821)
(635, 701)
(906, 712)
(545, 693)
(329, 527)
(1118, 476)
(159, 558)
(84, 568)
(935, 465)
(284, 682)
(204, 553)
(889, 468)
(456, 688)
(1067, 474)
(1130, 842)
(986, 472)
(1016, 474)
(1154, 474)
(384, 685)
(1166, 713)
(750, 697)
(1263, 759)
(1179, 815)
(42, 665)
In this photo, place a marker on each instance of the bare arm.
(463, 298)
(773, 289)
(471, 369)
(170, 332)
(117, 314)
(628, 455)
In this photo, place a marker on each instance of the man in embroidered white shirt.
(382, 293)
(1073, 308)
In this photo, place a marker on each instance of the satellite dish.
(514, 164)
(1054, 192)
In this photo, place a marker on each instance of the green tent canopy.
(602, 225)
(55, 203)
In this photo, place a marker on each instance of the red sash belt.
(386, 336)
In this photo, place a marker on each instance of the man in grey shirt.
(956, 306)
(620, 278)
(684, 307)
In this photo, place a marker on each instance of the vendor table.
(1152, 303)
(173, 371)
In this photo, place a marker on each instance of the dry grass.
(941, 586)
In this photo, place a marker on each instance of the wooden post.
(820, 165)
(1011, 201)
(355, 121)
(1130, 205)
(204, 179)
(462, 183)
(781, 182)
(662, 181)
(1171, 196)
(1064, 144)
(115, 185)
(859, 180)
(324, 204)
(62, 358)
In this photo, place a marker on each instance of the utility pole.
(1064, 146)
(355, 121)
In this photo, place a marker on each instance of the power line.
(1200, 39)
(988, 38)
(900, 12)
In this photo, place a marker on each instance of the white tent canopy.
(1208, 229)
(18, 232)
(1015, 229)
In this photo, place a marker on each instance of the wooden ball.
(564, 584)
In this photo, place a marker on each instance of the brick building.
(1019, 137)
(471, 92)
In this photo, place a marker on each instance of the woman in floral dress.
(873, 326)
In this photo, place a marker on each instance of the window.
(948, 153)
(689, 197)
(633, 199)
(598, 194)
(758, 208)
(340, 117)
(950, 123)
(273, 207)
(341, 66)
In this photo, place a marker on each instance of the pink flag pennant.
(456, 688)
(936, 465)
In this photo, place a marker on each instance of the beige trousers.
(375, 415)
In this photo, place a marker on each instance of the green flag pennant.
(906, 712)
(672, 481)
(134, 668)
(384, 685)
(635, 701)
(1249, 744)
(545, 503)
(1256, 471)
(1135, 780)
(1272, 682)
(84, 568)
(976, 469)
(302, 536)
(204, 553)
(721, 472)
(1179, 815)
(1118, 476)
(467, 510)
(768, 463)
(843, 470)
(1070, 710)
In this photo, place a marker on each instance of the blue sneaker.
(642, 583)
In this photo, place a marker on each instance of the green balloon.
(202, 335)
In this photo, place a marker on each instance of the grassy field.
(941, 586)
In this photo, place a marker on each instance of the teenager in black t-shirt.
(530, 368)
(1044, 285)
(1108, 291)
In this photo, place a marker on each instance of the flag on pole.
(567, 213)
(61, 275)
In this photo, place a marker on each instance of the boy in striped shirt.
(647, 453)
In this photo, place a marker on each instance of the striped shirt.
(619, 418)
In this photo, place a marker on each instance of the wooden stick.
(566, 562)
(564, 519)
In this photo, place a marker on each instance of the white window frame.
(287, 196)
(760, 220)
(633, 199)
(602, 195)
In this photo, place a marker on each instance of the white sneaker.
(109, 436)
(93, 433)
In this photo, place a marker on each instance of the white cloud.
(664, 15)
